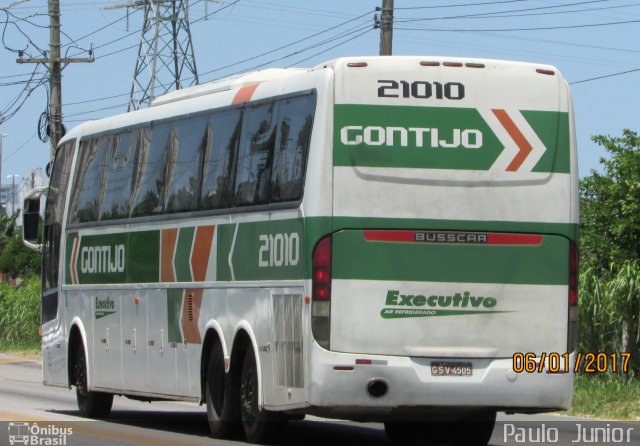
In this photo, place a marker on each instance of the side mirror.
(31, 218)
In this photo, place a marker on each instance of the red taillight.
(321, 294)
(573, 275)
(321, 264)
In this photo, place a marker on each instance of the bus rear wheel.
(90, 404)
(472, 430)
(260, 426)
(221, 394)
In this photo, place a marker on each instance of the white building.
(34, 178)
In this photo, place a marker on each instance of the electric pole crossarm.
(64, 60)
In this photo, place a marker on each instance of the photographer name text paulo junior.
(583, 434)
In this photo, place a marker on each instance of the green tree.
(16, 259)
(610, 206)
(610, 231)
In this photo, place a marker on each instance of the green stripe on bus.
(357, 258)
(143, 257)
(437, 138)
(389, 148)
(182, 258)
(266, 250)
(174, 314)
(553, 131)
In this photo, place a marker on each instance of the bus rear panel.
(453, 238)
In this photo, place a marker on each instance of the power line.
(541, 28)
(602, 8)
(463, 5)
(361, 29)
(214, 12)
(604, 77)
(491, 14)
(19, 148)
(257, 56)
(330, 48)
(98, 30)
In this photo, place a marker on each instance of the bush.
(20, 312)
(609, 310)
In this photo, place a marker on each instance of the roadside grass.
(20, 348)
(20, 317)
(606, 396)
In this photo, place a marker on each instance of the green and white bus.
(376, 238)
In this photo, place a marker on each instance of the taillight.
(573, 275)
(573, 297)
(321, 295)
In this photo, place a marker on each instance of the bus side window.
(150, 191)
(224, 136)
(90, 173)
(292, 147)
(56, 198)
(119, 169)
(253, 172)
(141, 150)
(184, 182)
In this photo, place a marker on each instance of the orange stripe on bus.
(244, 94)
(201, 251)
(518, 138)
(169, 237)
(191, 315)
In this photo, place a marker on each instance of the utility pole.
(386, 28)
(13, 192)
(55, 63)
(55, 73)
(2, 137)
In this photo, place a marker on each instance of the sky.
(594, 44)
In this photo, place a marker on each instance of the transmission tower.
(165, 59)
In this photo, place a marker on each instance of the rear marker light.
(474, 65)
(343, 368)
(430, 64)
(452, 64)
(547, 72)
(357, 64)
(362, 361)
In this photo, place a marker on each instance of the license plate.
(451, 369)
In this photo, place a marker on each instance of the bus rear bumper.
(342, 381)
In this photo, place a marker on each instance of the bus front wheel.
(260, 426)
(221, 394)
(91, 404)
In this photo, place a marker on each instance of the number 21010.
(279, 250)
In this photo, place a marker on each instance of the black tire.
(471, 430)
(404, 432)
(222, 397)
(260, 426)
(90, 404)
(474, 430)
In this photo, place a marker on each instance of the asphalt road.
(31, 413)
